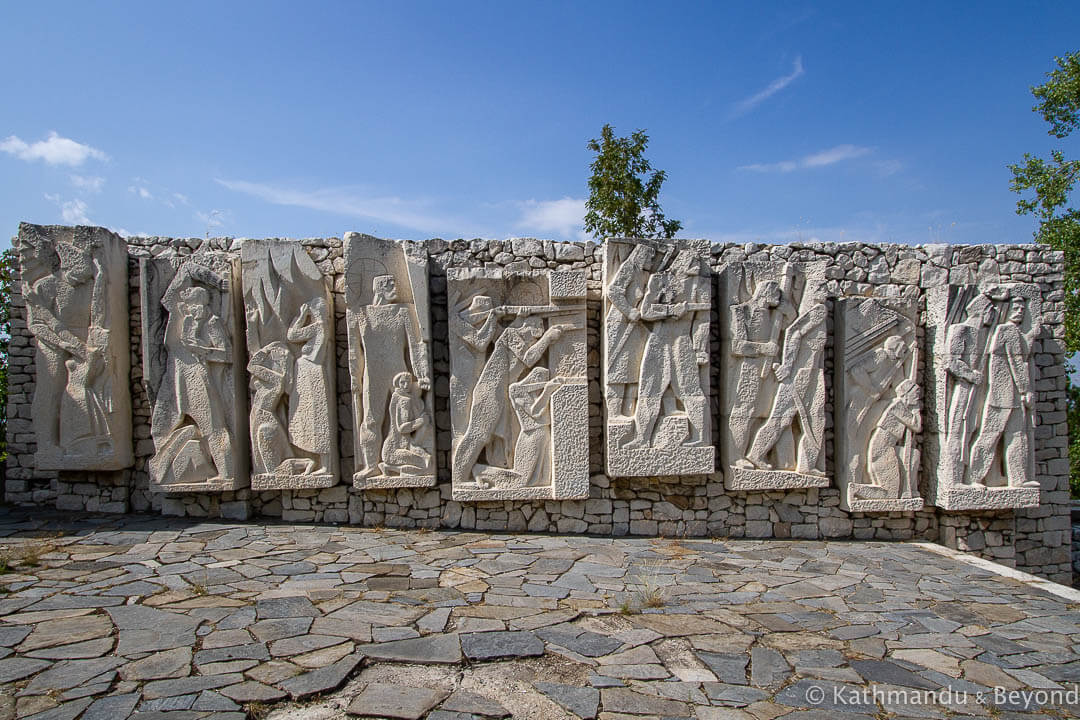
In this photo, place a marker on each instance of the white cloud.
(54, 150)
(834, 155)
(92, 183)
(744, 106)
(563, 217)
(72, 211)
(212, 219)
(354, 202)
(182, 198)
(140, 191)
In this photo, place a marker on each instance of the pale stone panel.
(657, 300)
(193, 371)
(519, 391)
(878, 405)
(981, 411)
(291, 367)
(75, 286)
(389, 321)
(773, 331)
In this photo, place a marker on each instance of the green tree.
(623, 190)
(1046, 187)
(8, 261)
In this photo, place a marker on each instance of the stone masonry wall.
(1036, 540)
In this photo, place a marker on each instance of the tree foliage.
(1046, 187)
(624, 190)
(8, 262)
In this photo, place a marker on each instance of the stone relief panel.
(982, 408)
(878, 405)
(773, 332)
(193, 371)
(389, 321)
(657, 300)
(519, 394)
(291, 367)
(75, 284)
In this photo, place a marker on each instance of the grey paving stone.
(999, 645)
(12, 636)
(587, 643)
(768, 668)
(733, 695)
(889, 673)
(270, 630)
(501, 644)
(428, 649)
(67, 711)
(828, 696)
(239, 619)
(209, 700)
(70, 673)
(251, 691)
(624, 700)
(603, 681)
(17, 668)
(728, 667)
(112, 707)
(582, 702)
(169, 664)
(285, 607)
(75, 651)
(144, 629)
(322, 680)
(303, 644)
(188, 685)
(470, 703)
(395, 701)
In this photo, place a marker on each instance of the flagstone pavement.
(147, 617)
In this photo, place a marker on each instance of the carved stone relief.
(982, 407)
(773, 330)
(292, 367)
(519, 391)
(75, 283)
(657, 300)
(878, 405)
(193, 370)
(386, 290)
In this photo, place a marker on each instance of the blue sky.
(775, 121)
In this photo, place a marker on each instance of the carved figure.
(195, 395)
(385, 326)
(965, 344)
(389, 332)
(75, 284)
(900, 419)
(1009, 401)
(404, 451)
(528, 336)
(879, 414)
(289, 314)
(624, 328)
(773, 403)
(656, 361)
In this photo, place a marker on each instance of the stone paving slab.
(178, 618)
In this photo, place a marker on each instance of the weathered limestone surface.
(386, 290)
(982, 344)
(657, 300)
(878, 405)
(292, 367)
(773, 329)
(520, 369)
(193, 370)
(75, 290)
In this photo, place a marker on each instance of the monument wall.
(786, 446)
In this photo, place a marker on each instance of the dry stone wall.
(1035, 539)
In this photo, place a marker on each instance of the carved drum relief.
(878, 405)
(193, 370)
(982, 405)
(291, 367)
(75, 284)
(389, 321)
(773, 330)
(519, 394)
(657, 300)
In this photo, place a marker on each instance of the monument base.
(980, 497)
(390, 482)
(763, 480)
(658, 460)
(270, 481)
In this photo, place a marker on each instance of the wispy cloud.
(141, 192)
(833, 155)
(563, 217)
(353, 202)
(72, 211)
(85, 183)
(744, 106)
(54, 150)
